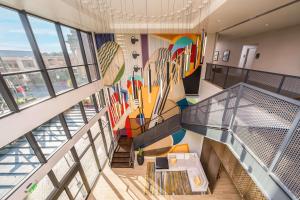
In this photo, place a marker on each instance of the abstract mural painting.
(152, 85)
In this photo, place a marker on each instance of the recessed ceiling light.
(218, 20)
(266, 24)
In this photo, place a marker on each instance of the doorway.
(247, 56)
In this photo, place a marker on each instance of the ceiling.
(281, 18)
(164, 16)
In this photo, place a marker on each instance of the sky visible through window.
(13, 36)
(12, 33)
(46, 35)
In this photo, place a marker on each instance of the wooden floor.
(129, 184)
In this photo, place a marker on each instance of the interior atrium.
(149, 99)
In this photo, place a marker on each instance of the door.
(247, 56)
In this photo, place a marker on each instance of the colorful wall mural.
(144, 77)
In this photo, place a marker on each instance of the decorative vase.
(140, 159)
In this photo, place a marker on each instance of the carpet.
(167, 182)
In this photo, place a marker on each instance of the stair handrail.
(157, 117)
(245, 95)
(132, 155)
(254, 70)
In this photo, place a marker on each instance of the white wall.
(194, 140)
(209, 52)
(124, 40)
(279, 50)
(207, 89)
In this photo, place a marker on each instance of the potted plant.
(140, 156)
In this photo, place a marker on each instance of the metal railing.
(227, 76)
(267, 126)
(158, 119)
(158, 132)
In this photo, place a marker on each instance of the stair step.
(123, 148)
(125, 141)
(121, 160)
(120, 165)
(121, 154)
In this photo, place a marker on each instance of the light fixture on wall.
(136, 68)
(135, 54)
(134, 40)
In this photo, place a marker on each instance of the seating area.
(178, 174)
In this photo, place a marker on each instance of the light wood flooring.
(129, 184)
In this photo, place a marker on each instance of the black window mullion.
(82, 174)
(103, 137)
(64, 125)
(83, 113)
(66, 55)
(92, 46)
(84, 56)
(36, 148)
(36, 52)
(7, 96)
(102, 98)
(95, 103)
(53, 179)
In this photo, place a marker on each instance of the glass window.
(17, 161)
(63, 166)
(87, 47)
(89, 107)
(50, 136)
(100, 148)
(80, 75)
(15, 51)
(89, 166)
(61, 80)
(27, 88)
(74, 119)
(3, 106)
(73, 47)
(95, 129)
(98, 100)
(63, 196)
(102, 97)
(77, 188)
(107, 135)
(93, 72)
(82, 144)
(48, 42)
(43, 190)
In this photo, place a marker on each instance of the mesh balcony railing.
(227, 76)
(267, 124)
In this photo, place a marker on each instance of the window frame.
(41, 67)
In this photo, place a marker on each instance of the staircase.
(123, 156)
(261, 128)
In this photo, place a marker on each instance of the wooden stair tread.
(121, 154)
(120, 165)
(121, 159)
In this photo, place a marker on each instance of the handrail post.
(247, 75)
(280, 85)
(214, 73)
(237, 101)
(226, 77)
(285, 142)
